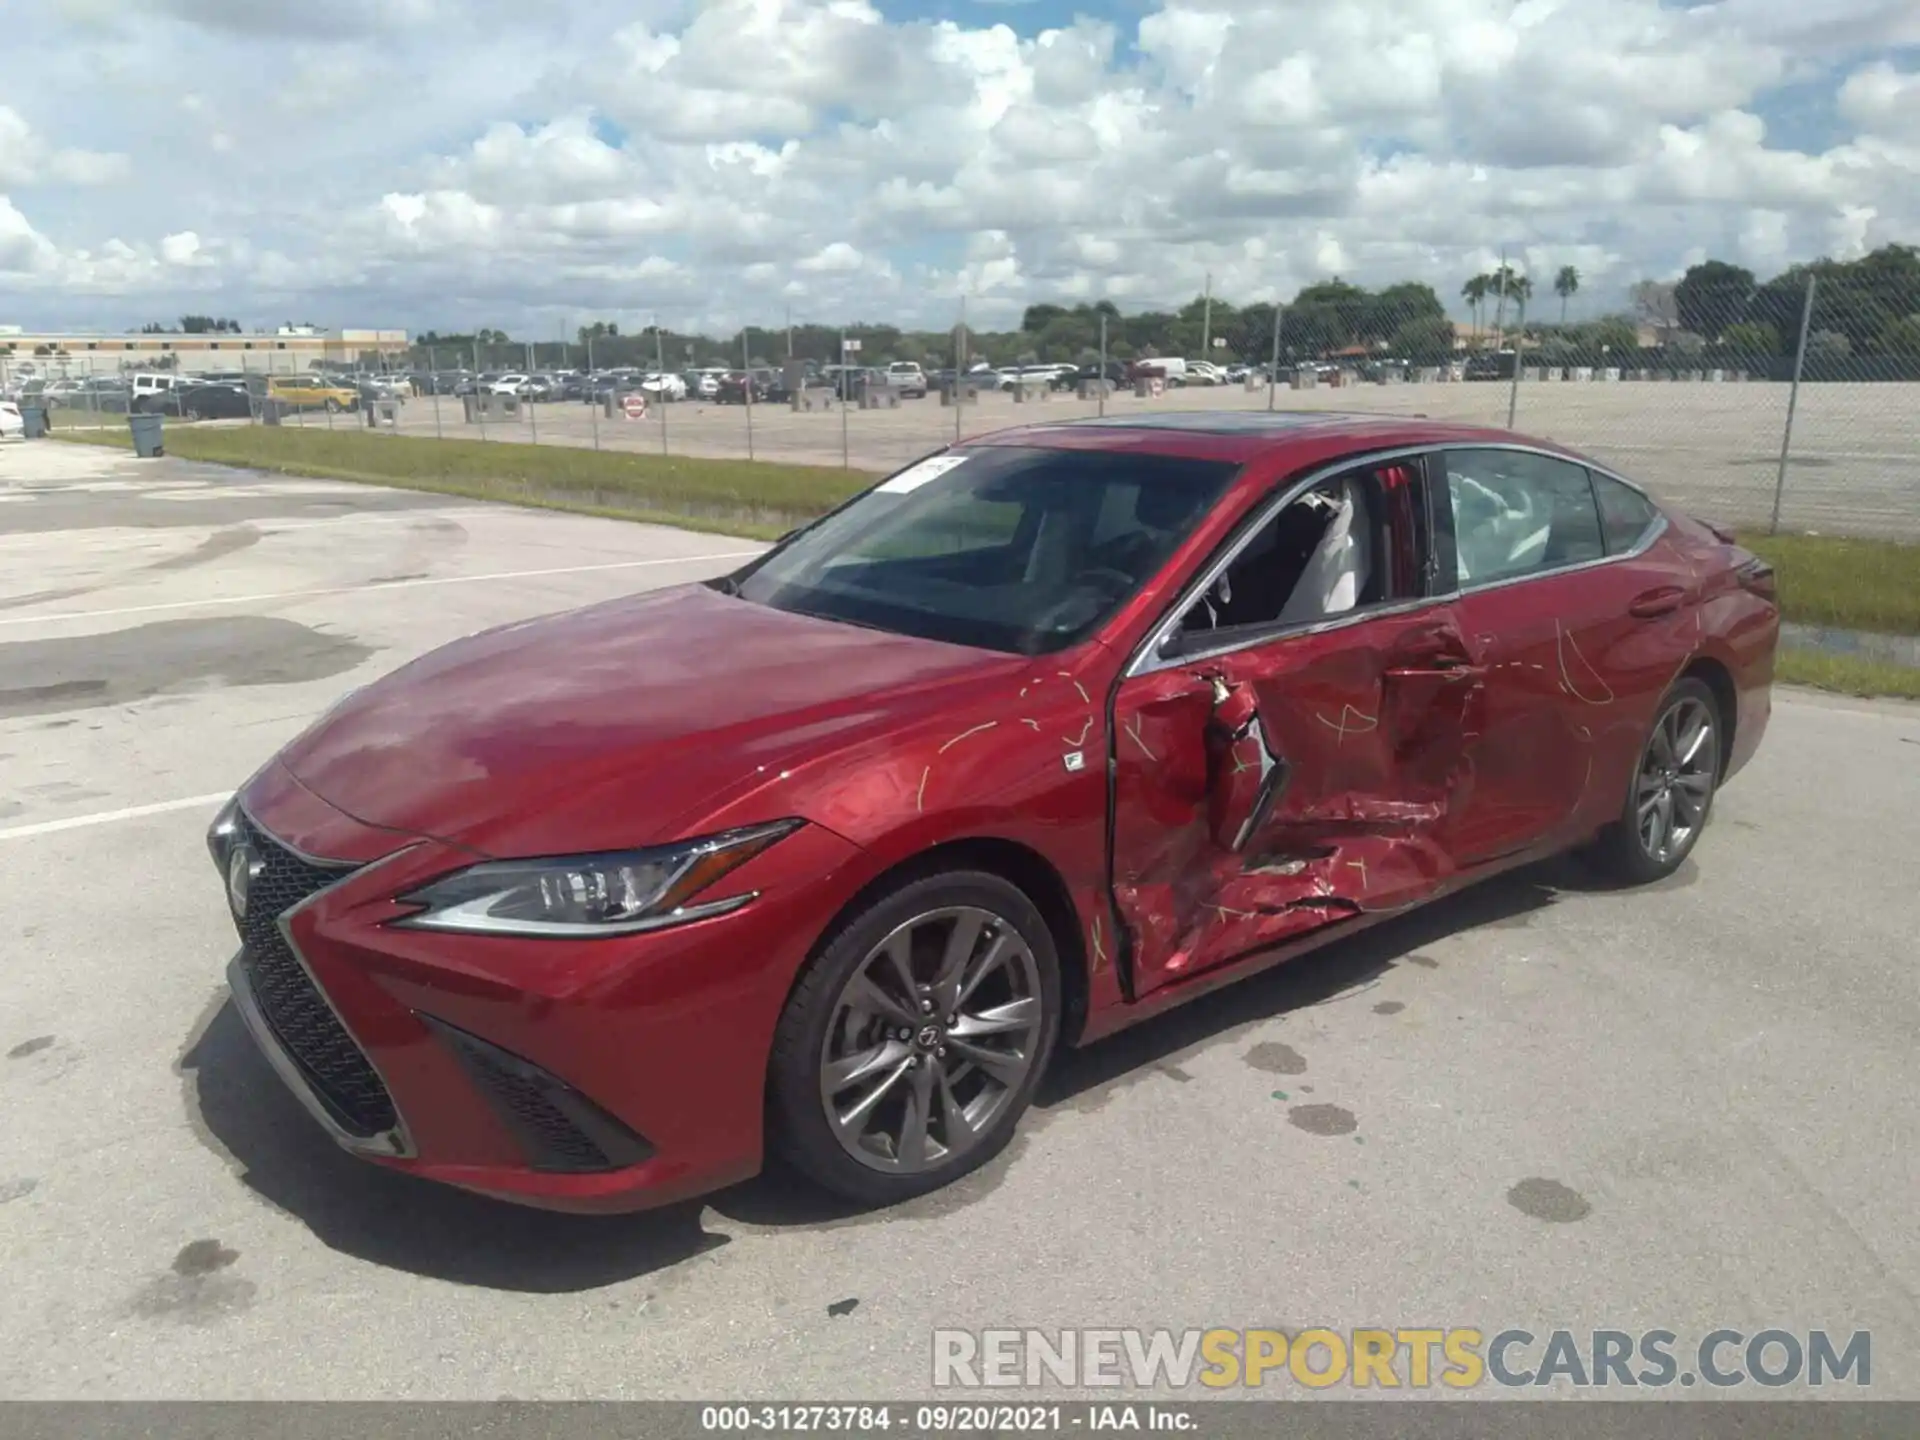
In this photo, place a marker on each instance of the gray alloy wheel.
(912, 1041)
(931, 1037)
(1671, 793)
(1675, 783)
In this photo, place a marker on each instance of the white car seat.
(1337, 571)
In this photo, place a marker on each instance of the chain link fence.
(1793, 405)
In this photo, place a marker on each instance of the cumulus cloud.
(715, 162)
(26, 158)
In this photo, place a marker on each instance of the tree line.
(1869, 306)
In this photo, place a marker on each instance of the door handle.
(1652, 604)
(1444, 666)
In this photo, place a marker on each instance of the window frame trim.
(1147, 659)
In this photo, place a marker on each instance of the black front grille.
(299, 1014)
(560, 1129)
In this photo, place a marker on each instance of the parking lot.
(1538, 1104)
(1854, 468)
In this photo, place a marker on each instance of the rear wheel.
(912, 1044)
(1671, 793)
(333, 407)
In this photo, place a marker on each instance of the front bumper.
(591, 1075)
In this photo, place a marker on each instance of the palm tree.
(1500, 284)
(1521, 289)
(1475, 294)
(1566, 284)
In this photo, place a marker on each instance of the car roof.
(1239, 436)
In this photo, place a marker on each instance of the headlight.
(583, 896)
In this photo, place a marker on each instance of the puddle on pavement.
(38, 677)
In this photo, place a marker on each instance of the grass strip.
(743, 497)
(1846, 674)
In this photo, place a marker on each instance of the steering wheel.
(1120, 579)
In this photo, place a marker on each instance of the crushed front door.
(1288, 786)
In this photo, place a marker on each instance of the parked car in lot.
(13, 425)
(1113, 371)
(311, 392)
(765, 386)
(1204, 372)
(908, 378)
(662, 387)
(1169, 368)
(1028, 742)
(200, 402)
(96, 394)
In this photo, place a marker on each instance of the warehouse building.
(292, 349)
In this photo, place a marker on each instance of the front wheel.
(912, 1044)
(1672, 791)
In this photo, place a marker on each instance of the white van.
(148, 383)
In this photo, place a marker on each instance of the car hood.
(619, 724)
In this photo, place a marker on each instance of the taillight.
(1756, 577)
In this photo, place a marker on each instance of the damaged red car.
(1041, 736)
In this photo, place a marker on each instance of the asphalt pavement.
(1539, 1104)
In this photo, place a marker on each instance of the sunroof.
(1229, 422)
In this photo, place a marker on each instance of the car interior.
(1348, 542)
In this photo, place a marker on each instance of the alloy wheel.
(930, 1039)
(1675, 782)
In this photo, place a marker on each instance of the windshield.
(1001, 547)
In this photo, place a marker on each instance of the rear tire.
(1670, 795)
(873, 1094)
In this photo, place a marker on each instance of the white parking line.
(107, 817)
(377, 585)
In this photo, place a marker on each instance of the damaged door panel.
(1311, 761)
(1288, 786)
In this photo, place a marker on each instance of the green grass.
(739, 497)
(1846, 584)
(1846, 674)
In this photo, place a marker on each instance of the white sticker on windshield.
(914, 476)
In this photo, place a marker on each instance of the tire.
(333, 407)
(967, 1112)
(1678, 786)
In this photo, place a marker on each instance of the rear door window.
(1517, 513)
(1625, 514)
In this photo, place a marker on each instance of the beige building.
(287, 351)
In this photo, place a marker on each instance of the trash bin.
(146, 435)
(270, 412)
(33, 420)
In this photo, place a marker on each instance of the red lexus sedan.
(1041, 736)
